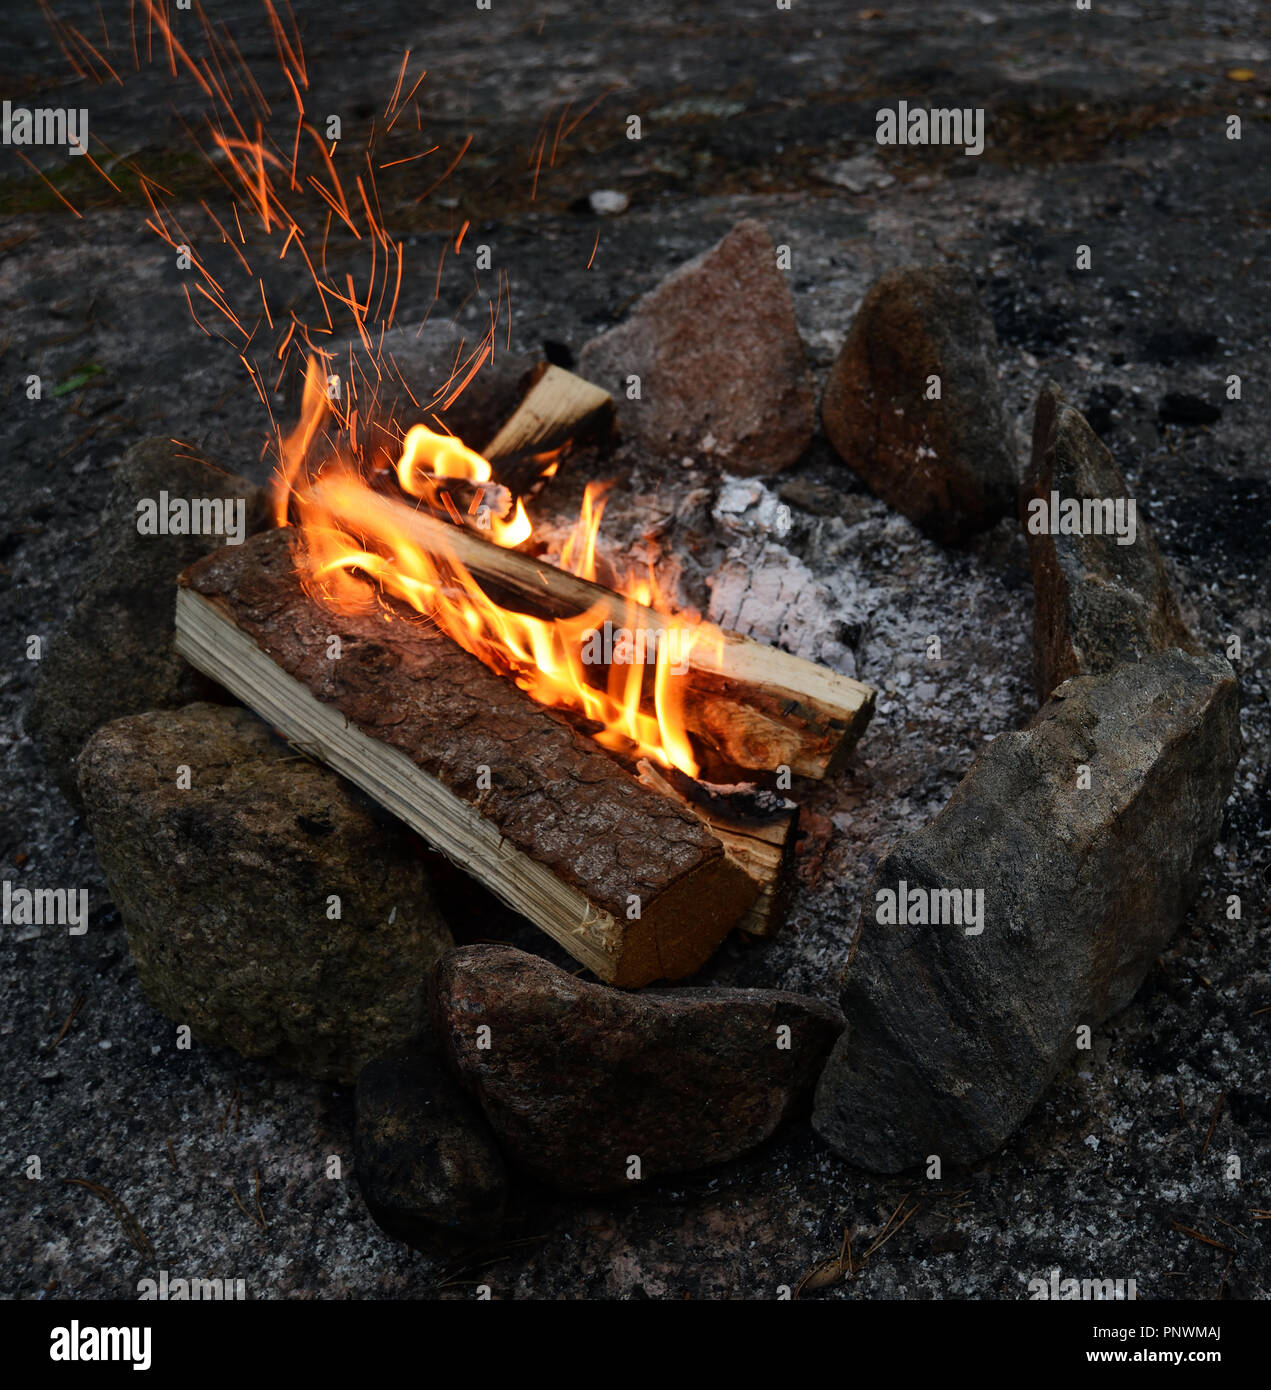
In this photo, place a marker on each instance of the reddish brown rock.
(1096, 601)
(947, 464)
(579, 1079)
(721, 365)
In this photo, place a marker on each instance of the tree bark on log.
(506, 788)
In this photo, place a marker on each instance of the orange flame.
(589, 663)
(578, 554)
(445, 456)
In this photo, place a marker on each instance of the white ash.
(763, 591)
(863, 592)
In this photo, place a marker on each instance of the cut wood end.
(758, 830)
(558, 409)
(686, 925)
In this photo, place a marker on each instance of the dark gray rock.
(1180, 408)
(114, 654)
(948, 464)
(225, 888)
(578, 1078)
(1096, 601)
(953, 1037)
(722, 368)
(423, 1154)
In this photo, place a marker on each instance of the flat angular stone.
(953, 1037)
(1096, 601)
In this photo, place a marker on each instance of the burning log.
(465, 503)
(757, 829)
(628, 881)
(558, 412)
(752, 706)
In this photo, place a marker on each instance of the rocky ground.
(1104, 129)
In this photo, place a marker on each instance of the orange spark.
(34, 170)
(450, 168)
(409, 158)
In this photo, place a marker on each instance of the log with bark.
(751, 706)
(629, 881)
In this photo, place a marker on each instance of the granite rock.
(424, 1156)
(722, 368)
(948, 464)
(1096, 601)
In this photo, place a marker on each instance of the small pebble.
(608, 202)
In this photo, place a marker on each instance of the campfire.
(409, 560)
(608, 764)
(594, 650)
(359, 545)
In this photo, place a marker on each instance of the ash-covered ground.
(1104, 129)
